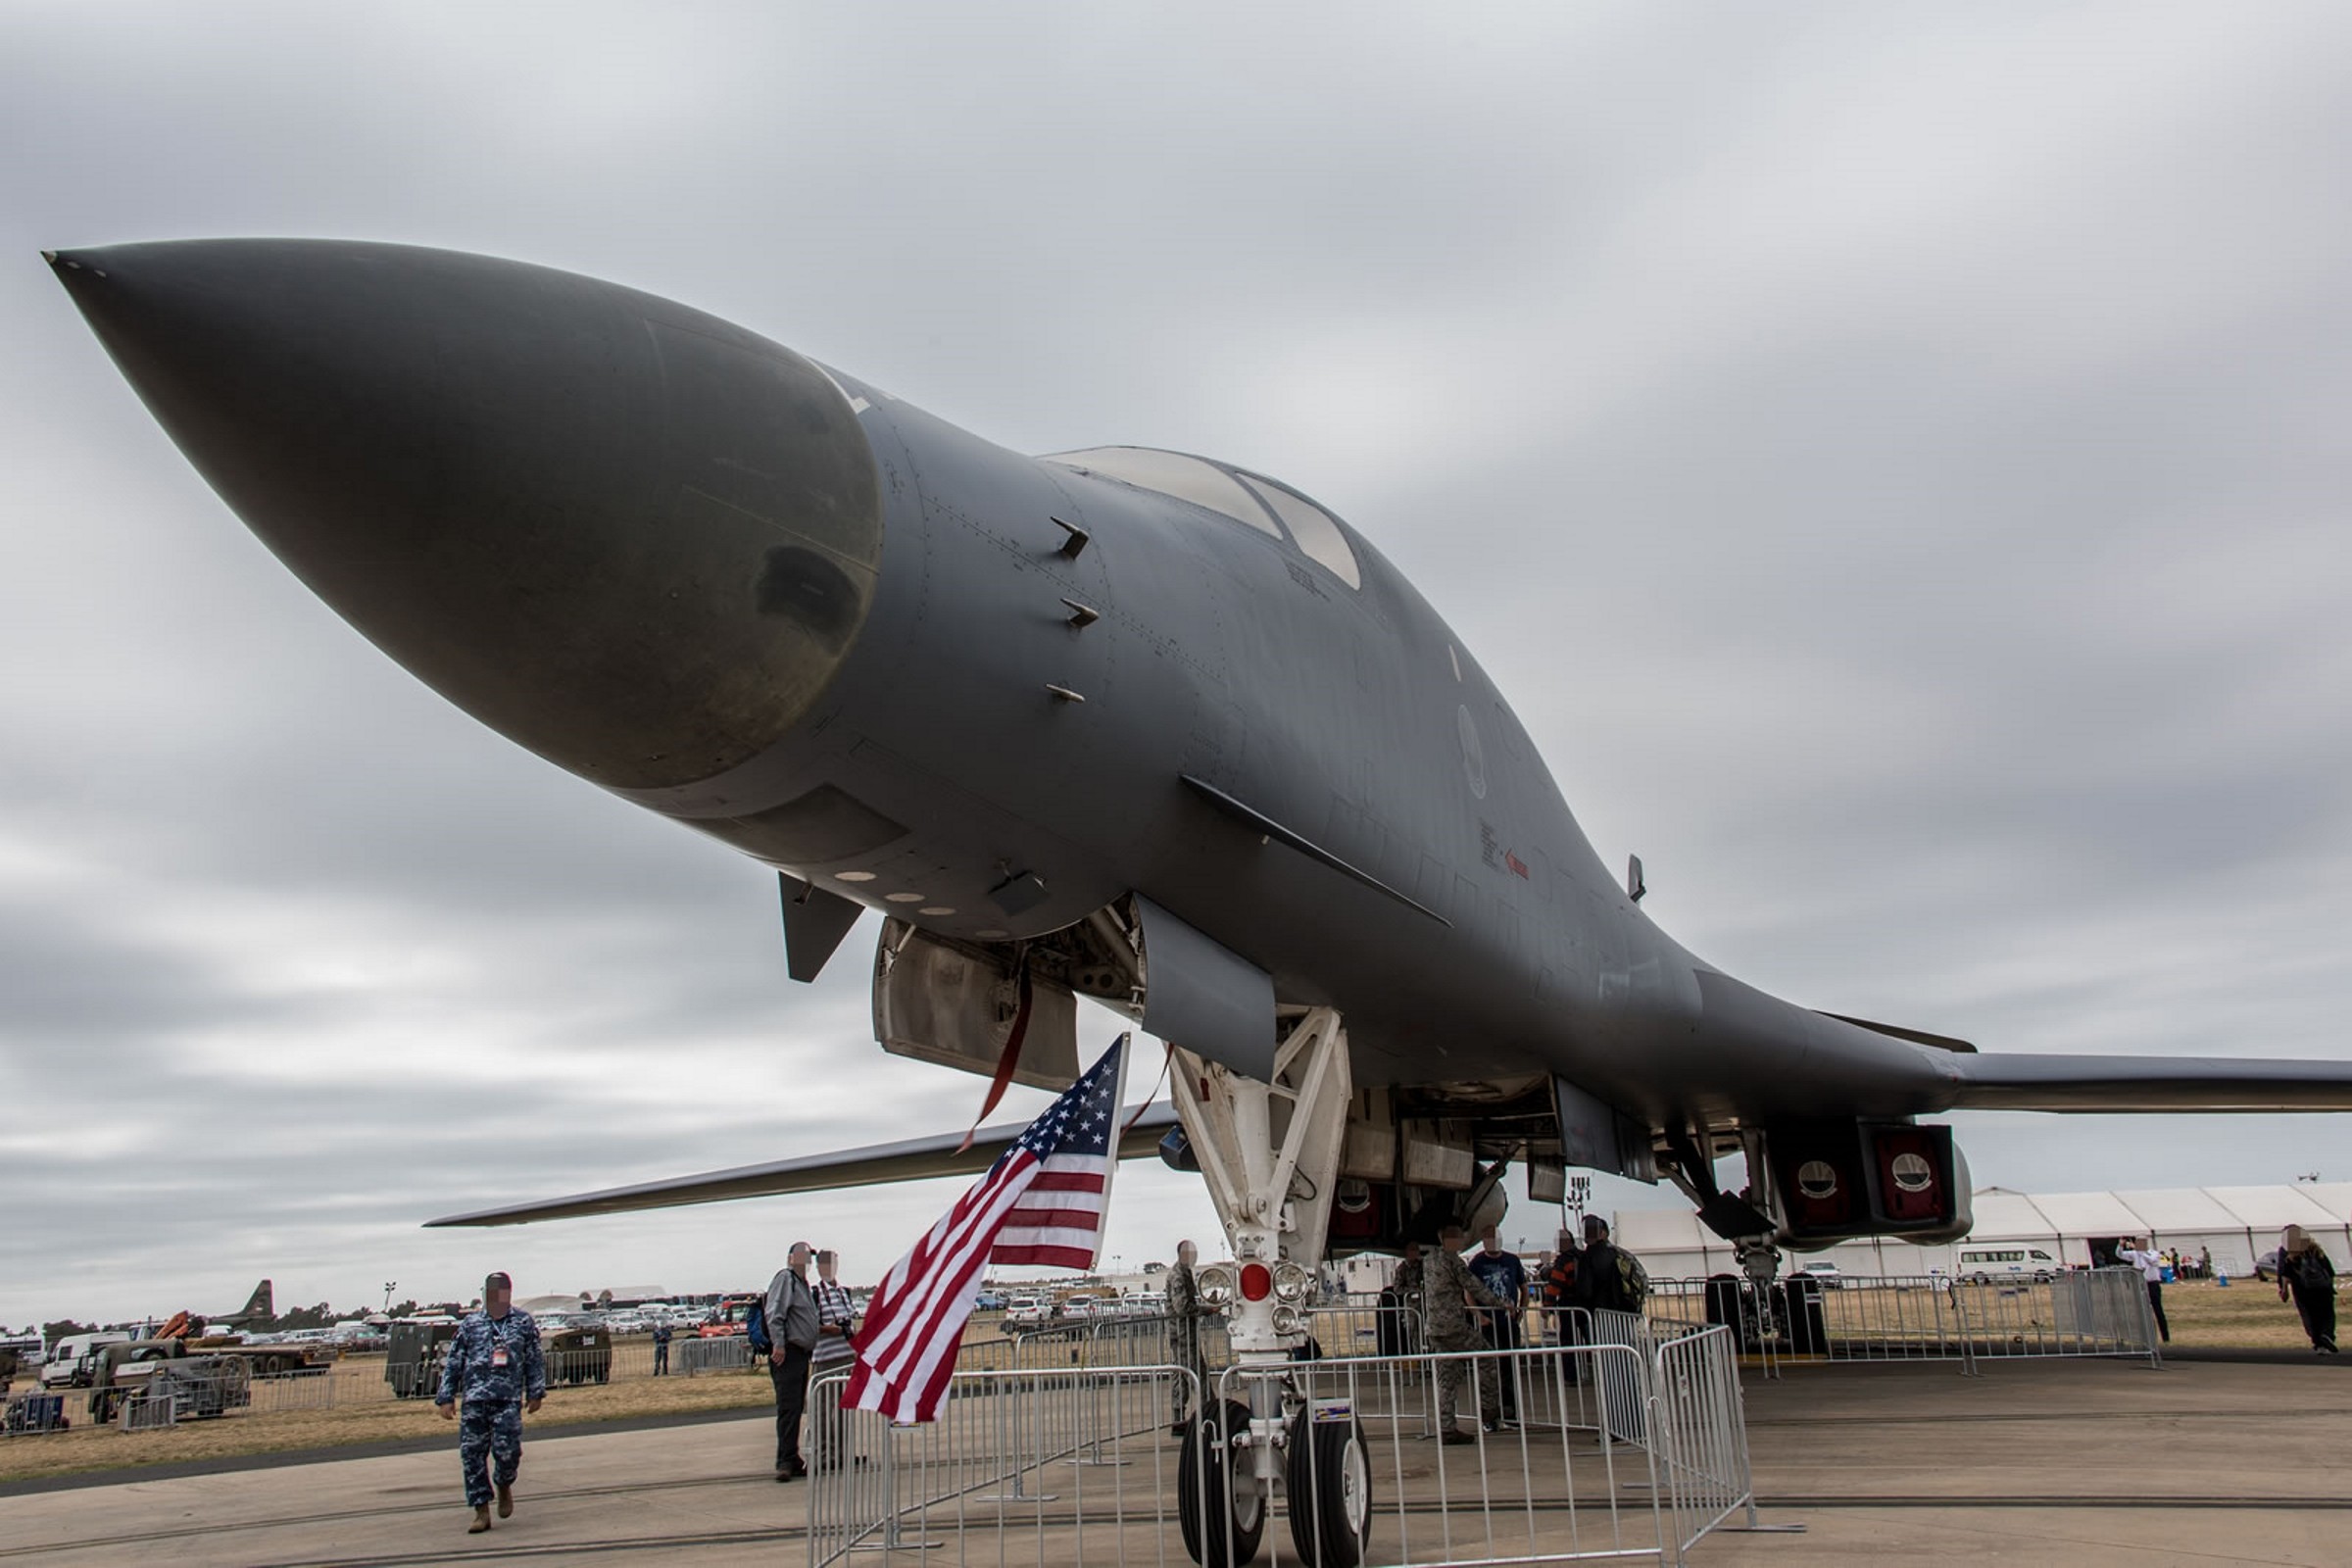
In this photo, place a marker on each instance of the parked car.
(988, 1301)
(1823, 1274)
(1028, 1311)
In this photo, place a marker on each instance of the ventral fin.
(814, 922)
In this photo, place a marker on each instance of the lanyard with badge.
(498, 1352)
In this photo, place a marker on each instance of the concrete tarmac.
(2030, 1462)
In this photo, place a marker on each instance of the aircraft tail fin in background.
(2019, 1081)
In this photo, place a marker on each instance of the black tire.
(1330, 1486)
(1205, 1490)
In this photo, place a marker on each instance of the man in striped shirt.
(836, 1325)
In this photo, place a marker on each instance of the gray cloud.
(1893, 460)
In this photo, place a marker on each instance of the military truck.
(578, 1355)
(174, 1343)
(413, 1357)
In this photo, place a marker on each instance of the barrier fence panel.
(2081, 1313)
(292, 1390)
(696, 1357)
(1625, 1447)
(1365, 1472)
(1364, 1328)
(1699, 1433)
(2099, 1312)
(1031, 1466)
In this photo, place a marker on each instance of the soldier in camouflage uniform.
(1185, 1313)
(1448, 1289)
(495, 1366)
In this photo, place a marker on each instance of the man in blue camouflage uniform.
(494, 1364)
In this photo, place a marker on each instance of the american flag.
(1043, 1201)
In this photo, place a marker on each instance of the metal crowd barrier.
(1020, 1464)
(695, 1357)
(1628, 1445)
(2071, 1313)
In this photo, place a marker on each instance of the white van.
(64, 1365)
(1984, 1264)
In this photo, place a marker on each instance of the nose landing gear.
(1270, 1153)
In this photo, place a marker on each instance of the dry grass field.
(2246, 1315)
(2242, 1315)
(364, 1412)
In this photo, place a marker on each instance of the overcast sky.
(1895, 458)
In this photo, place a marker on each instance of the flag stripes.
(1043, 1201)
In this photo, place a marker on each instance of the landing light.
(1216, 1287)
(1258, 1281)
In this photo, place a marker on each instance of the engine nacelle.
(1836, 1180)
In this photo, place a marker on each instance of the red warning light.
(1258, 1281)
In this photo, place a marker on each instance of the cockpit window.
(1317, 535)
(1172, 474)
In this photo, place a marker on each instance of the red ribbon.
(1007, 1064)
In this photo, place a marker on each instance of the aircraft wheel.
(1330, 1486)
(1214, 1484)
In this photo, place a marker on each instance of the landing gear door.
(955, 1008)
(1204, 996)
(1596, 1136)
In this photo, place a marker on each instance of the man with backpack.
(1609, 1279)
(787, 1322)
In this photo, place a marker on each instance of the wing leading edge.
(1988, 1081)
(2018, 1081)
(911, 1160)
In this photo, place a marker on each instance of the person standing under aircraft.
(835, 1330)
(2151, 1269)
(1560, 1299)
(494, 1365)
(1448, 1292)
(2306, 1272)
(1503, 1273)
(660, 1346)
(792, 1336)
(1408, 1283)
(1185, 1313)
(1600, 1273)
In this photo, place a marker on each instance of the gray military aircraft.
(1121, 723)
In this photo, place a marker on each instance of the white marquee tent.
(2236, 1224)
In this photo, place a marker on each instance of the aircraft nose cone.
(628, 535)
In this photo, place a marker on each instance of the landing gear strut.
(1270, 1153)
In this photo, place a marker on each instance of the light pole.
(389, 1285)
